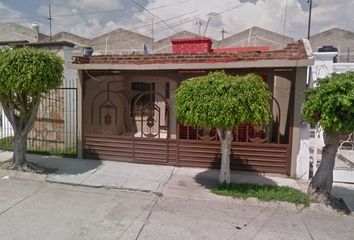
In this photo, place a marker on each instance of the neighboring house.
(342, 39)
(126, 108)
(325, 64)
(121, 41)
(16, 32)
(165, 45)
(55, 129)
(80, 42)
(256, 36)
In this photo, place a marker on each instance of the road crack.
(21, 201)
(147, 218)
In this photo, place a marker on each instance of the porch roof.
(294, 55)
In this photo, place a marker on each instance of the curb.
(105, 187)
(23, 175)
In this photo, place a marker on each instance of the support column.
(300, 155)
(172, 112)
(80, 141)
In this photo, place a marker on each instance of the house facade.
(127, 107)
(342, 39)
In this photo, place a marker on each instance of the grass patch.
(6, 144)
(262, 192)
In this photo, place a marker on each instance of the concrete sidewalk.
(193, 183)
(133, 176)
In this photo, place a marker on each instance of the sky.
(161, 18)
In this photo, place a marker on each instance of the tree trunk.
(20, 148)
(321, 184)
(21, 127)
(226, 138)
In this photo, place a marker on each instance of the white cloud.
(268, 14)
(95, 4)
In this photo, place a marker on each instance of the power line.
(94, 12)
(149, 25)
(117, 10)
(232, 8)
(285, 16)
(20, 16)
(24, 7)
(154, 15)
(184, 21)
(177, 23)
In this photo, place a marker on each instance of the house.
(16, 32)
(121, 41)
(324, 65)
(342, 39)
(55, 127)
(126, 107)
(80, 42)
(256, 36)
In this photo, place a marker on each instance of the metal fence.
(55, 129)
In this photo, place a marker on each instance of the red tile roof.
(243, 49)
(293, 51)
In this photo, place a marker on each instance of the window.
(141, 87)
(167, 90)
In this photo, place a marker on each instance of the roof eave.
(203, 66)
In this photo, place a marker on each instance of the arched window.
(141, 87)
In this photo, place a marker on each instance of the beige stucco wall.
(300, 86)
(281, 93)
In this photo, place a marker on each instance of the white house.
(325, 64)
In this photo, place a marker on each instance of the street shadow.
(241, 172)
(340, 191)
(60, 165)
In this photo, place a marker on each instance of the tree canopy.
(331, 103)
(223, 101)
(28, 72)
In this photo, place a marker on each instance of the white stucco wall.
(323, 67)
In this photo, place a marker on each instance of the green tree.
(222, 101)
(331, 105)
(26, 74)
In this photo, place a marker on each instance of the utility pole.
(152, 27)
(309, 24)
(50, 22)
(309, 72)
(223, 33)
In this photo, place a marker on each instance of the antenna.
(199, 23)
(210, 16)
(50, 22)
(223, 31)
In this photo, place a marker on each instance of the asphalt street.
(42, 210)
